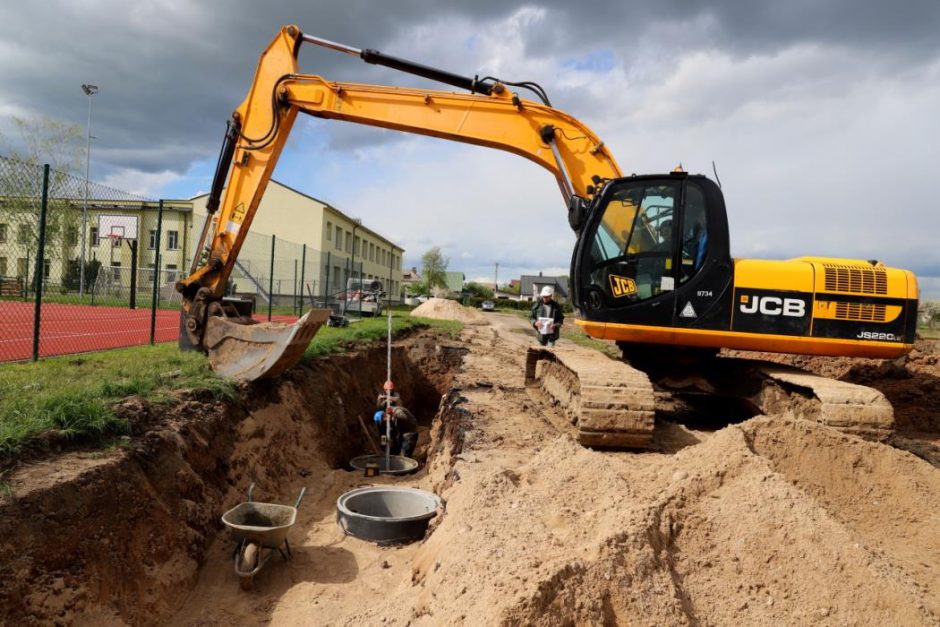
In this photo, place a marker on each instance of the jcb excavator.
(651, 267)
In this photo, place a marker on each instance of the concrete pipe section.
(386, 514)
(397, 464)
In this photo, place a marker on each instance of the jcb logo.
(622, 286)
(773, 306)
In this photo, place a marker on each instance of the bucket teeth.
(247, 352)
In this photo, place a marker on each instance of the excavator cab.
(654, 252)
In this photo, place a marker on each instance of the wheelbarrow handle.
(300, 497)
(251, 489)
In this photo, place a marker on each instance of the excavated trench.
(124, 537)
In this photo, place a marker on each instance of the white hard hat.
(548, 290)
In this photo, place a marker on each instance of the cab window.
(632, 247)
(694, 233)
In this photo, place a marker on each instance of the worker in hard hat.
(404, 425)
(547, 317)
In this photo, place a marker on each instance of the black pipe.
(471, 84)
(232, 130)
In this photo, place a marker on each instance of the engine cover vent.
(855, 279)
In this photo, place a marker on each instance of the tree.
(478, 291)
(434, 266)
(41, 141)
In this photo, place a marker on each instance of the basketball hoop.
(115, 239)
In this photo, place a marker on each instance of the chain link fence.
(86, 267)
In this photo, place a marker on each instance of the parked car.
(488, 305)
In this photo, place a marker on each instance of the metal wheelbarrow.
(260, 529)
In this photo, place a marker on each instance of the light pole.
(90, 90)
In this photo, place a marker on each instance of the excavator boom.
(494, 117)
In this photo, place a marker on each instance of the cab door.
(624, 261)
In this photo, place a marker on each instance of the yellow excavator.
(651, 267)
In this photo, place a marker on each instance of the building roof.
(560, 283)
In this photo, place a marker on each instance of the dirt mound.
(768, 522)
(443, 309)
(911, 384)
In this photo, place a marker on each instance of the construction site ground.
(726, 521)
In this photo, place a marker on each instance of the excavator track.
(848, 407)
(610, 402)
(613, 405)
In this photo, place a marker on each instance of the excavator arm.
(493, 117)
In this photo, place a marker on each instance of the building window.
(356, 246)
(116, 270)
(46, 269)
(339, 238)
(93, 236)
(172, 240)
(3, 265)
(22, 234)
(170, 272)
(72, 268)
(71, 236)
(329, 231)
(3, 233)
(348, 242)
(372, 252)
(21, 267)
(153, 240)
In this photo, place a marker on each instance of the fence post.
(37, 313)
(26, 279)
(294, 299)
(326, 285)
(156, 276)
(271, 281)
(303, 268)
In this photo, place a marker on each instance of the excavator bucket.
(247, 352)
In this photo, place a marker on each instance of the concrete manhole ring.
(397, 464)
(386, 514)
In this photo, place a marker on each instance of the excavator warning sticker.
(688, 311)
(622, 286)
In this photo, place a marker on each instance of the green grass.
(72, 397)
(928, 334)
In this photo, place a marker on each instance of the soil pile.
(443, 309)
(911, 383)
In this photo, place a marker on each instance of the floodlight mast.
(90, 90)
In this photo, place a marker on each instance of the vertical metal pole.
(303, 268)
(361, 286)
(271, 280)
(388, 398)
(156, 276)
(37, 311)
(133, 299)
(326, 285)
(388, 286)
(90, 90)
(294, 299)
(26, 279)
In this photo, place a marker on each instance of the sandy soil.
(444, 309)
(770, 521)
(767, 522)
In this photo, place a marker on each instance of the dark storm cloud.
(170, 73)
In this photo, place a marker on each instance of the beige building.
(19, 233)
(316, 245)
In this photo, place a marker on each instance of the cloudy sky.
(822, 116)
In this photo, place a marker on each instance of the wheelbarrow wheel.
(249, 559)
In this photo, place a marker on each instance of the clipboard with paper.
(545, 325)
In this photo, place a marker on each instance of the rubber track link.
(610, 402)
